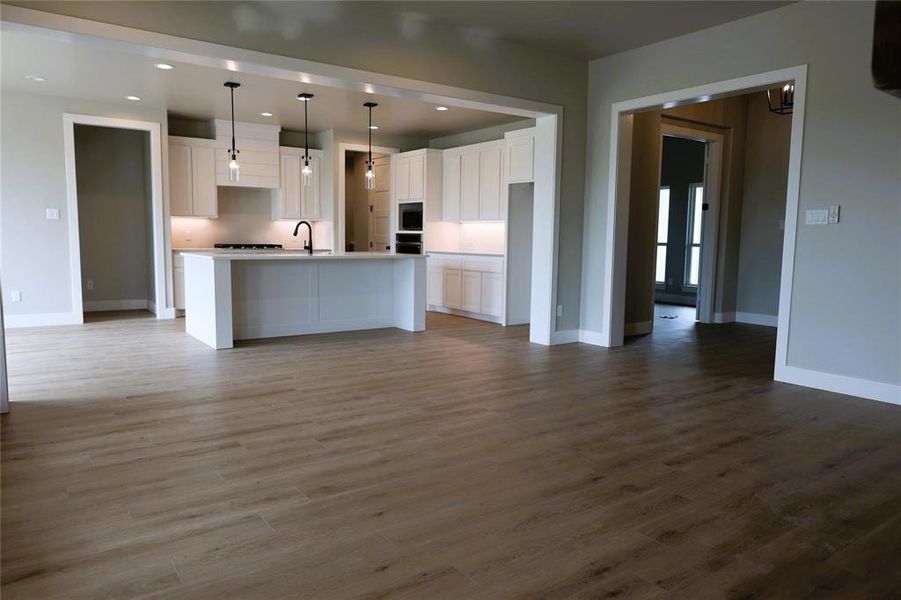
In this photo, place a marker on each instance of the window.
(693, 237)
(662, 231)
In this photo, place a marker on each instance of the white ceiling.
(76, 68)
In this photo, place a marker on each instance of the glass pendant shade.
(234, 169)
(370, 179)
(306, 175)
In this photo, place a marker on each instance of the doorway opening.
(707, 199)
(367, 217)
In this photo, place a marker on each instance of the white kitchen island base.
(236, 296)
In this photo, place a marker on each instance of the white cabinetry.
(473, 177)
(178, 280)
(192, 177)
(410, 176)
(471, 285)
(520, 155)
(292, 199)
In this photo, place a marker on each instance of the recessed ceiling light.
(164, 66)
(441, 108)
(373, 127)
(34, 78)
(265, 114)
(132, 98)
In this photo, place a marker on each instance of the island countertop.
(301, 255)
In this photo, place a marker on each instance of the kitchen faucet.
(306, 245)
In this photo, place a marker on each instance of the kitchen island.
(250, 295)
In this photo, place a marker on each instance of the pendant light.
(306, 172)
(234, 170)
(370, 174)
(785, 102)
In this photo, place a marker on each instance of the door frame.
(713, 195)
(613, 309)
(159, 222)
(340, 209)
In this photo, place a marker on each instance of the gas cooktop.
(248, 246)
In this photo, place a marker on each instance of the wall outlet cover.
(53, 214)
(15, 296)
(559, 310)
(833, 214)
(90, 284)
(816, 216)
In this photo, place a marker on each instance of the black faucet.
(306, 245)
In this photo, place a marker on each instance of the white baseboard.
(42, 320)
(756, 319)
(595, 338)
(640, 328)
(567, 336)
(724, 317)
(103, 305)
(465, 313)
(841, 384)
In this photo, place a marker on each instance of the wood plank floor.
(462, 462)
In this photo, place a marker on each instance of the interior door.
(380, 206)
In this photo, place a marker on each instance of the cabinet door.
(490, 184)
(492, 294)
(469, 186)
(472, 291)
(178, 287)
(289, 188)
(203, 175)
(453, 288)
(520, 159)
(180, 188)
(450, 207)
(436, 287)
(417, 177)
(402, 178)
(309, 195)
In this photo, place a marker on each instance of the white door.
(203, 176)
(453, 288)
(492, 293)
(450, 201)
(380, 207)
(181, 189)
(472, 291)
(490, 184)
(289, 188)
(469, 186)
(417, 177)
(436, 287)
(402, 178)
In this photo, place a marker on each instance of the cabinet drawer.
(483, 265)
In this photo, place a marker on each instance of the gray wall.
(114, 204)
(476, 136)
(763, 208)
(851, 157)
(34, 178)
(430, 53)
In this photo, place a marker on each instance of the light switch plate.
(559, 310)
(781, 224)
(833, 214)
(817, 216)
(15, 296)
(53, 214)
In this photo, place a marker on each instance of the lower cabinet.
(469, 283)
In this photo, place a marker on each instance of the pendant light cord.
(306, 136)
(233, 122)
(370, 138)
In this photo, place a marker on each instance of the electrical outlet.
(15, 296)
(53, 214)
(833, 214)
(781, 224)
(90, 284)
(189, 236)
(559, 310)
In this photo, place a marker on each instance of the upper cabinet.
(258, 154)
(410, 176)
(292, 199)
(192, 177)
(473, 177)
(520, 155)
